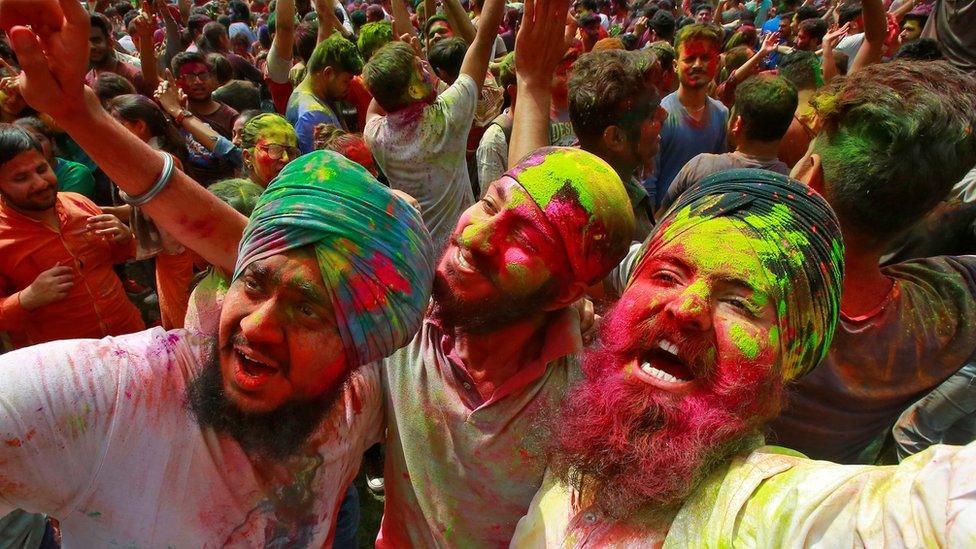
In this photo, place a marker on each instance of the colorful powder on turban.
(796, 236)
(585, 202)
(374, 253)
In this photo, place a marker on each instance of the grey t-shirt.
(706, 164)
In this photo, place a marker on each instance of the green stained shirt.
(775, 497)
(74, 177)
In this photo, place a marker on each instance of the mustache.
(239, 340)
(697, 351)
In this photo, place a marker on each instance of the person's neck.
(865, 286)
(202, 107)
(803, 100)
(692, 98)
(493, 358)
(759, 149)
(108, 64)
(48, 217)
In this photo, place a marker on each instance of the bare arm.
(52, 81)
(768, 45)
(145, 26)
(401, 19)
(539, 47)
(283, 44)
(458, 18)
(875, 28)
(475, 63)
(828, 64)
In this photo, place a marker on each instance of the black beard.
(277, 435)
(485, 315)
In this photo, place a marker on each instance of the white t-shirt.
(97, 434)
(422, 154)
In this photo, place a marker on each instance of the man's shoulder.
(943, 274)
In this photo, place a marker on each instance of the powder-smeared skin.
(800, 266)
(585, 201)
(745, 343)
(374, 254)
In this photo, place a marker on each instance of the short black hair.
(816, 28)
(447, 55)
(802, 69)
(766, 105)
(109, 85)
(895, 138)
(848, 13)
(185, 58)
(15, 140)
(920, 49)
(99, 21)
(387, 75)
(606, 88)
(220, 67)
(805, 12)
(663, 25)
(239, 95)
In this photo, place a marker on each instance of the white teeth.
(668, 347)
(464, 264)
(660, 374)
(252, 359)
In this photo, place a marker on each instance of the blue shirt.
(305, 111)
(683, 138)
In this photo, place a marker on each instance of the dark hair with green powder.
(766, 105)
(338, 53)
(896, 137)
(387, 75)
(698, 31)
(373, 36)
(802, 69)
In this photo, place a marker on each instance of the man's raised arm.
(54, 65)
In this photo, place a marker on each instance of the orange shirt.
(95, 307)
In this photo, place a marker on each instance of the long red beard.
(640, 448)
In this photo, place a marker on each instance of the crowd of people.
(548, 273)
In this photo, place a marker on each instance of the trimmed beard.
(486, 315)
(277, 435)
(642, 450)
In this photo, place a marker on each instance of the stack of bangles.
(157, 187)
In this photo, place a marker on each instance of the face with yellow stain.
(278, 341)
(503, 256)
(276, 147)
(700, 314)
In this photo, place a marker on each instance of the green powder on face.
(748, 346)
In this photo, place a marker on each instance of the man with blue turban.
(248, 435)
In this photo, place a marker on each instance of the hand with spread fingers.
(53, 62)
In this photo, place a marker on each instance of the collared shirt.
(776, 498)
(96, 305)
(97, 434)
(461, 470)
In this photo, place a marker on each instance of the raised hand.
(770, 42)
(54, 62)
(541, 43)
(833, 37)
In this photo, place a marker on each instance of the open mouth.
(664, 366)
(253, 369)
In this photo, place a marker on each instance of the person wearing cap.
(734, 297)
(247, 434)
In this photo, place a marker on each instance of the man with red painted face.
(247, 435)
(733, 297)
(194, 76)
(696, 123)
(907, 327)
